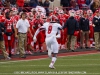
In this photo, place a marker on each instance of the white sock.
(37, 47)
(93, 43)
(12, 50)
(41, 47)
(53, 61)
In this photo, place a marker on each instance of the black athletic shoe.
(81, 47)
(87, 47)
(10, 54)
(73, 50)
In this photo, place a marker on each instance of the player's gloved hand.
(34, 39)
(58, 36)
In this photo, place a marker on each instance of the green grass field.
(72, 65)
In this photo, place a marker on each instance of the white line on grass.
(79, 59)
(76, 65)
(49, 74)
(45, 58)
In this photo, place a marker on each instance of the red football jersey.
(37, 23)
(90, 20)
(77, 17)
(8, 25)
(62, 19)
(66, 16)
(31, 26)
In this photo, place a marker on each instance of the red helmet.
(43, 17)
(61, 11)
(81, 11)
(2, 18)
(89, 11)
(56, 9)
(97, 11)
(7, 10)
(53, 18)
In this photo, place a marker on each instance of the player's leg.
(13, 44)
(31, 46)
(41, 41)
(54, 56)
(49, 48)
(28, 50)
(91, 36)
(9, 45)
(64, 40)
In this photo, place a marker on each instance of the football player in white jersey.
(52, 30)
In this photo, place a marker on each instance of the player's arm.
(30, 31)
(65, 25)
(36, 33)
(59, 34)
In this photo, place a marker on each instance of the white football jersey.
(51, 29)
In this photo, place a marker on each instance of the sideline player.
(51, 29)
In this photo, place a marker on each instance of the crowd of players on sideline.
(89, 28)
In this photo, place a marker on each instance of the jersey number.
(9, 26)
(49, 29)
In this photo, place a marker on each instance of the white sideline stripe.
(55, 65)
(46, 58)
(78, 59)
(50, 74)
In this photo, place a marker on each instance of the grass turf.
(72, 65)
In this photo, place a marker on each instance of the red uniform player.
(62, 20)
(9, 31)
(38, 22)
(91, 34)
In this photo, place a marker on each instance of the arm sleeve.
(39, 29)
(59, 27)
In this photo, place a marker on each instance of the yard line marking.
(78, 59)
(47, 58)
(55, 65)
(50, 74)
